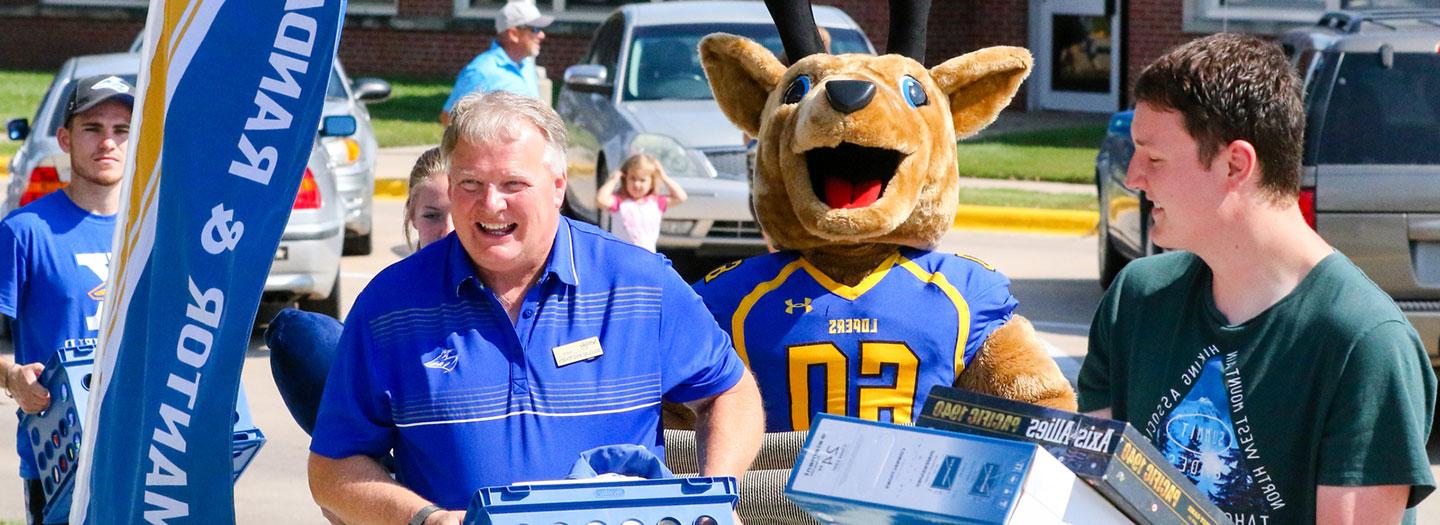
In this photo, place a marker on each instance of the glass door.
(1077, 55)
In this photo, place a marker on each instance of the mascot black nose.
(849, 96)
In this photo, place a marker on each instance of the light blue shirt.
(430, 366)
(493, 70)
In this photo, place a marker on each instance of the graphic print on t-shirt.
(99, 263)
(1206, 435)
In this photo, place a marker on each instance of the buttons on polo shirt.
(527, 313)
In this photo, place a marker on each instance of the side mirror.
(589, 78)
(17, 129)
(337, 126)
(371, 90)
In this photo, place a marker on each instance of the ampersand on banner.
(219, 234)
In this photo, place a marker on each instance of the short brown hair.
(1231, 87)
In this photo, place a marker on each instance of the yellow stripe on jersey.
(737, 321)
(962, 308)
(850, 292)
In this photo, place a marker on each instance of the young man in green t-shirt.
(1267, 367)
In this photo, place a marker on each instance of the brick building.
(1086, 50)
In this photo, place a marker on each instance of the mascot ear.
(742, 73)
(980, 84)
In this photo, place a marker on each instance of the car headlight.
(343, 151)
(676, 226)
(677, 160)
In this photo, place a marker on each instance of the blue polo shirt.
(430, 366)
(493, 70)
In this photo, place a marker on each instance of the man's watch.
(423, 514)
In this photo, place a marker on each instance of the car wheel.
(330, 305)
(359, 245)
(1110, 259)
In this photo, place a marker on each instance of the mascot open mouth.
(850, 175)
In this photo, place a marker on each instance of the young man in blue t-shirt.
(55, 253)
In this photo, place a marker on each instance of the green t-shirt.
(1330, 386)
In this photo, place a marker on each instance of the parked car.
(640, 87)
(1371, 166)
(352, 157)
(307, 263)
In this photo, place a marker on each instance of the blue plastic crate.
(55, 433)
(675, 501)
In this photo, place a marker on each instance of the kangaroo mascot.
(855, 183)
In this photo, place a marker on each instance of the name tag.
(582, 350)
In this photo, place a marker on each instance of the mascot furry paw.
(855, 183)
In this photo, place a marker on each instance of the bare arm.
(1383, 504)
(605, 196)
(23, 383)
(729, 429)
(358, 491)
(677, 193)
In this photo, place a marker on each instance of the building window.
(371, 7)
(563, 10)
(1307, 11)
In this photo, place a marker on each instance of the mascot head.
(857, 150)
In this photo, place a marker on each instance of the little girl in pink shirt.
(637, 206)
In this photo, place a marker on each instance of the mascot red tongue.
(840, 193)
(855, 183)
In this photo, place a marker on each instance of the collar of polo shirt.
(560, 263)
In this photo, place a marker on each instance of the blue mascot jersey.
(873, 350)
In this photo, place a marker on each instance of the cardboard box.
(1113, 456)
(863, 472)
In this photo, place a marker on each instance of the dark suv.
(1371, 179)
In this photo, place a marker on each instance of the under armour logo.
(790, 306)
(445, 361)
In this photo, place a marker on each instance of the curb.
(997, 218)
(391, 188)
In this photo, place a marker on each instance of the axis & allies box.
(1113, 456)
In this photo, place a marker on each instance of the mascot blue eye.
(913, 91)
(797, 90)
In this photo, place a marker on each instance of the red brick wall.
(1154, 27)
(375, 51)
(372, 47)
(38, 43)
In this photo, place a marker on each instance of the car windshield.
(665, 60)
(1380, 115)
(57, 118)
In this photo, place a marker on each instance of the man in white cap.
(509, 64)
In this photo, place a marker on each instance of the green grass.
(20, 93)
(1058, 155)
(1012, 198)
(411, 117)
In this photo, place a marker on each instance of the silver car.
(353, 157)
(640, 88)
(307, 263)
